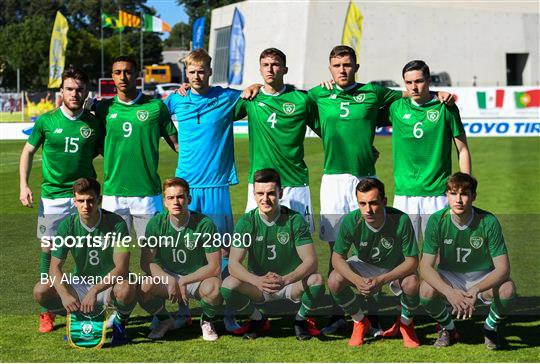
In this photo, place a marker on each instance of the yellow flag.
(352, 30)
(57, 53)
(129, 20)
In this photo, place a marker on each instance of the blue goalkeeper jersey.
(205, 136)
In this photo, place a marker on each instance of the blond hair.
(198, 57)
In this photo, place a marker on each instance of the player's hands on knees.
(182, 289)
(329, 84)
(374, 285)
(269, 284)
(363, 286)
(70, 303)
(88, 302)
(26, 197)
(173, 290)
(446, 98)
(251, 91)
(183, 89)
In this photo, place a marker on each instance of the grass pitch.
(508, 170)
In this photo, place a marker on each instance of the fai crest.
(289, 108)
(388, 243)
(42, 229)
(476, 241)
(86, 132)
(359, 98)
(142, 115)
(283, 237)
(191, 243)
(86, 328)
(433, 115)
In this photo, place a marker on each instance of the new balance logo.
(333, 96)
(113, 116)
(262, 104)
(58, 131)
(259, 238)
(363, 243)
(448, 241)
(407, 116)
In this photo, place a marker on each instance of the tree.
(179, 36)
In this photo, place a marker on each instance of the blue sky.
(169, 11)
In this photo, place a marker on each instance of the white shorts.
(192, 288)
(51, 211)
(338, 198)
(296, 198)
(367, 270)
(284, 293)
(464, 281)
(419, 209)
(136, 211)
(103, 297)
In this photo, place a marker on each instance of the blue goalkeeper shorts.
(214, 202)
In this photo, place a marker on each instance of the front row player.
(387, 253)
(473, 263)
(91, 263)
(282, 263)
(187, 265)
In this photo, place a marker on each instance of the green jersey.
(422, 140)
(273, 244)
(182, 250)
(386, 247)
(93, 255)
(464, 249)
(131, 157)
(277, 128)
(69, 146)
(347, 120)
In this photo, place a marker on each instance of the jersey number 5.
(344, 110)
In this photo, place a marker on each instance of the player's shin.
(240, 303)
(310, 299)
(409, 303)
(350, 302)
(497, 311)
(436, 308)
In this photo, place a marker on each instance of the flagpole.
(101, 31)
(121, 29)
(141, 45)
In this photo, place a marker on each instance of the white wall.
(463, 39)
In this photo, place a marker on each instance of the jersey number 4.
(272, 119)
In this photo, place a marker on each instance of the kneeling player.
(106, 265)
(473, 263)
(387, 253)
(282, 263)
(182, 264)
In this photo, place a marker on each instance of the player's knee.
(507, 289)
(41, 292)
(409, 284)
(231, 283)
(145, 291)
(426, 291)
(316, 279)
(124, 291)
(209, 289)
(335, 281)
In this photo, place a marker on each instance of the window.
(221, 55)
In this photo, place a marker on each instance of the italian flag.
(155, 24)
(529, 98)
(490, 99)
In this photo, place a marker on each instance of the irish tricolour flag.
(155, 24)
(490, 99)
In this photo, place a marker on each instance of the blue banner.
(236, 49)
(198, 33)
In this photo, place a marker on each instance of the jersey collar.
(91, 229)
(347, 88)
(427, 102)
(464, 226)
(379, 229)
(182, 227)
(65, 112)
(275, 93)
(269, 223)
(139, 94)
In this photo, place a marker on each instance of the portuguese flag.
(529, 98)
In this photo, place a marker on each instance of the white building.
(494, 43)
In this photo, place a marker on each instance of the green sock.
(240, 303)
(124, 310)
(310, 299)
(497, 311)
(44, 264)
(408, 305)
(156, 306)
(436, 308)
(208, 309)
(347, 300)
(373, 304)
